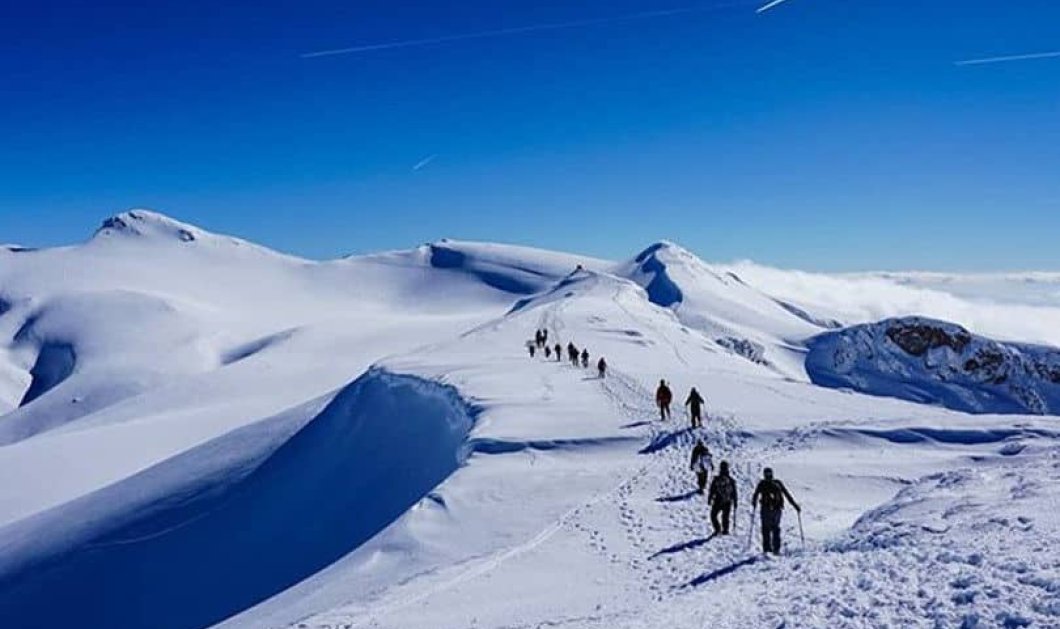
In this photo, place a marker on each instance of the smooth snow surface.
(202, 431)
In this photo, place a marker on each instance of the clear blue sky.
(823, 134)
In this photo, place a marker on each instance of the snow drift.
(246, 525)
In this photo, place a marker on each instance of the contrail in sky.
(423, 162)
(517, 30)
(1036, 55)
(764, 8)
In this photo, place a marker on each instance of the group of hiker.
(770, 494)
(578, 358)
(664, 396)
(769, 497)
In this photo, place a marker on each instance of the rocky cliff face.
(932, 361)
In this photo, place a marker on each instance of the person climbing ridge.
(548, 352)
(702, 463)
(544, 337)
(770, 494)
(663, 397)
(559, 352)
(585, 359)
(572, 354)
(722, 499)
(695, 404)
(531, 348)
(601, 367)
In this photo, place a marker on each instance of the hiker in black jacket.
(770, 495)
(663, 397)
(695, 403)
(722, 499)
(572, 354)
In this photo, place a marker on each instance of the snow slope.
(938, 363)
(210, 432)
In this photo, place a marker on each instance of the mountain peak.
(148, 223)
(659, 247)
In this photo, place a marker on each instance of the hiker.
(585, 359)
(722, 499)
(539, 340)
(601, 367)
(544, 337)
(663, 397)
(548, 352)
(702, 463)
(559, 352)
(531, 348)
(572, 353)
(695, 404)
(770, 494)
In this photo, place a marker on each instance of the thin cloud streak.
(518, 30)
(1007, 58)
(423, 162)
(769, 6)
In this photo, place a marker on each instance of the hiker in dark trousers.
(601, 367)
(539, 339)
(544, 337)
(770, 495)
(695, 404)
(663, 397)
(559, 352)
(702, 464)
(572, 354)
(585, 359)
(531, 347)
(722, 499)
(548, 352)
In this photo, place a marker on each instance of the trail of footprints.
(658, 511)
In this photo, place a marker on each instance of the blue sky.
(823, 134)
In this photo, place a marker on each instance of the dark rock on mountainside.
(930, 361)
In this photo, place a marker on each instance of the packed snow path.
(643, 554)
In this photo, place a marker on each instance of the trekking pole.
(751, 525)
(801, 534)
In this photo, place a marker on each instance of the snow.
(203, 431)
(934, 362)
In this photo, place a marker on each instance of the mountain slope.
(938, 363)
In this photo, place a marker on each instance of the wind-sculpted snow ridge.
(209, 533)
(929, 361)
(738, 316)
(512, 269)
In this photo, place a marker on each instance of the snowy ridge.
(930, 361)
(737, 316)
(150, 548)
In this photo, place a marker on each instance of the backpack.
(724, 489)
(772, 496)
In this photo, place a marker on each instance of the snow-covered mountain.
(199, 430)
(930, 361)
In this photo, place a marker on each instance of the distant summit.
(148, 223)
